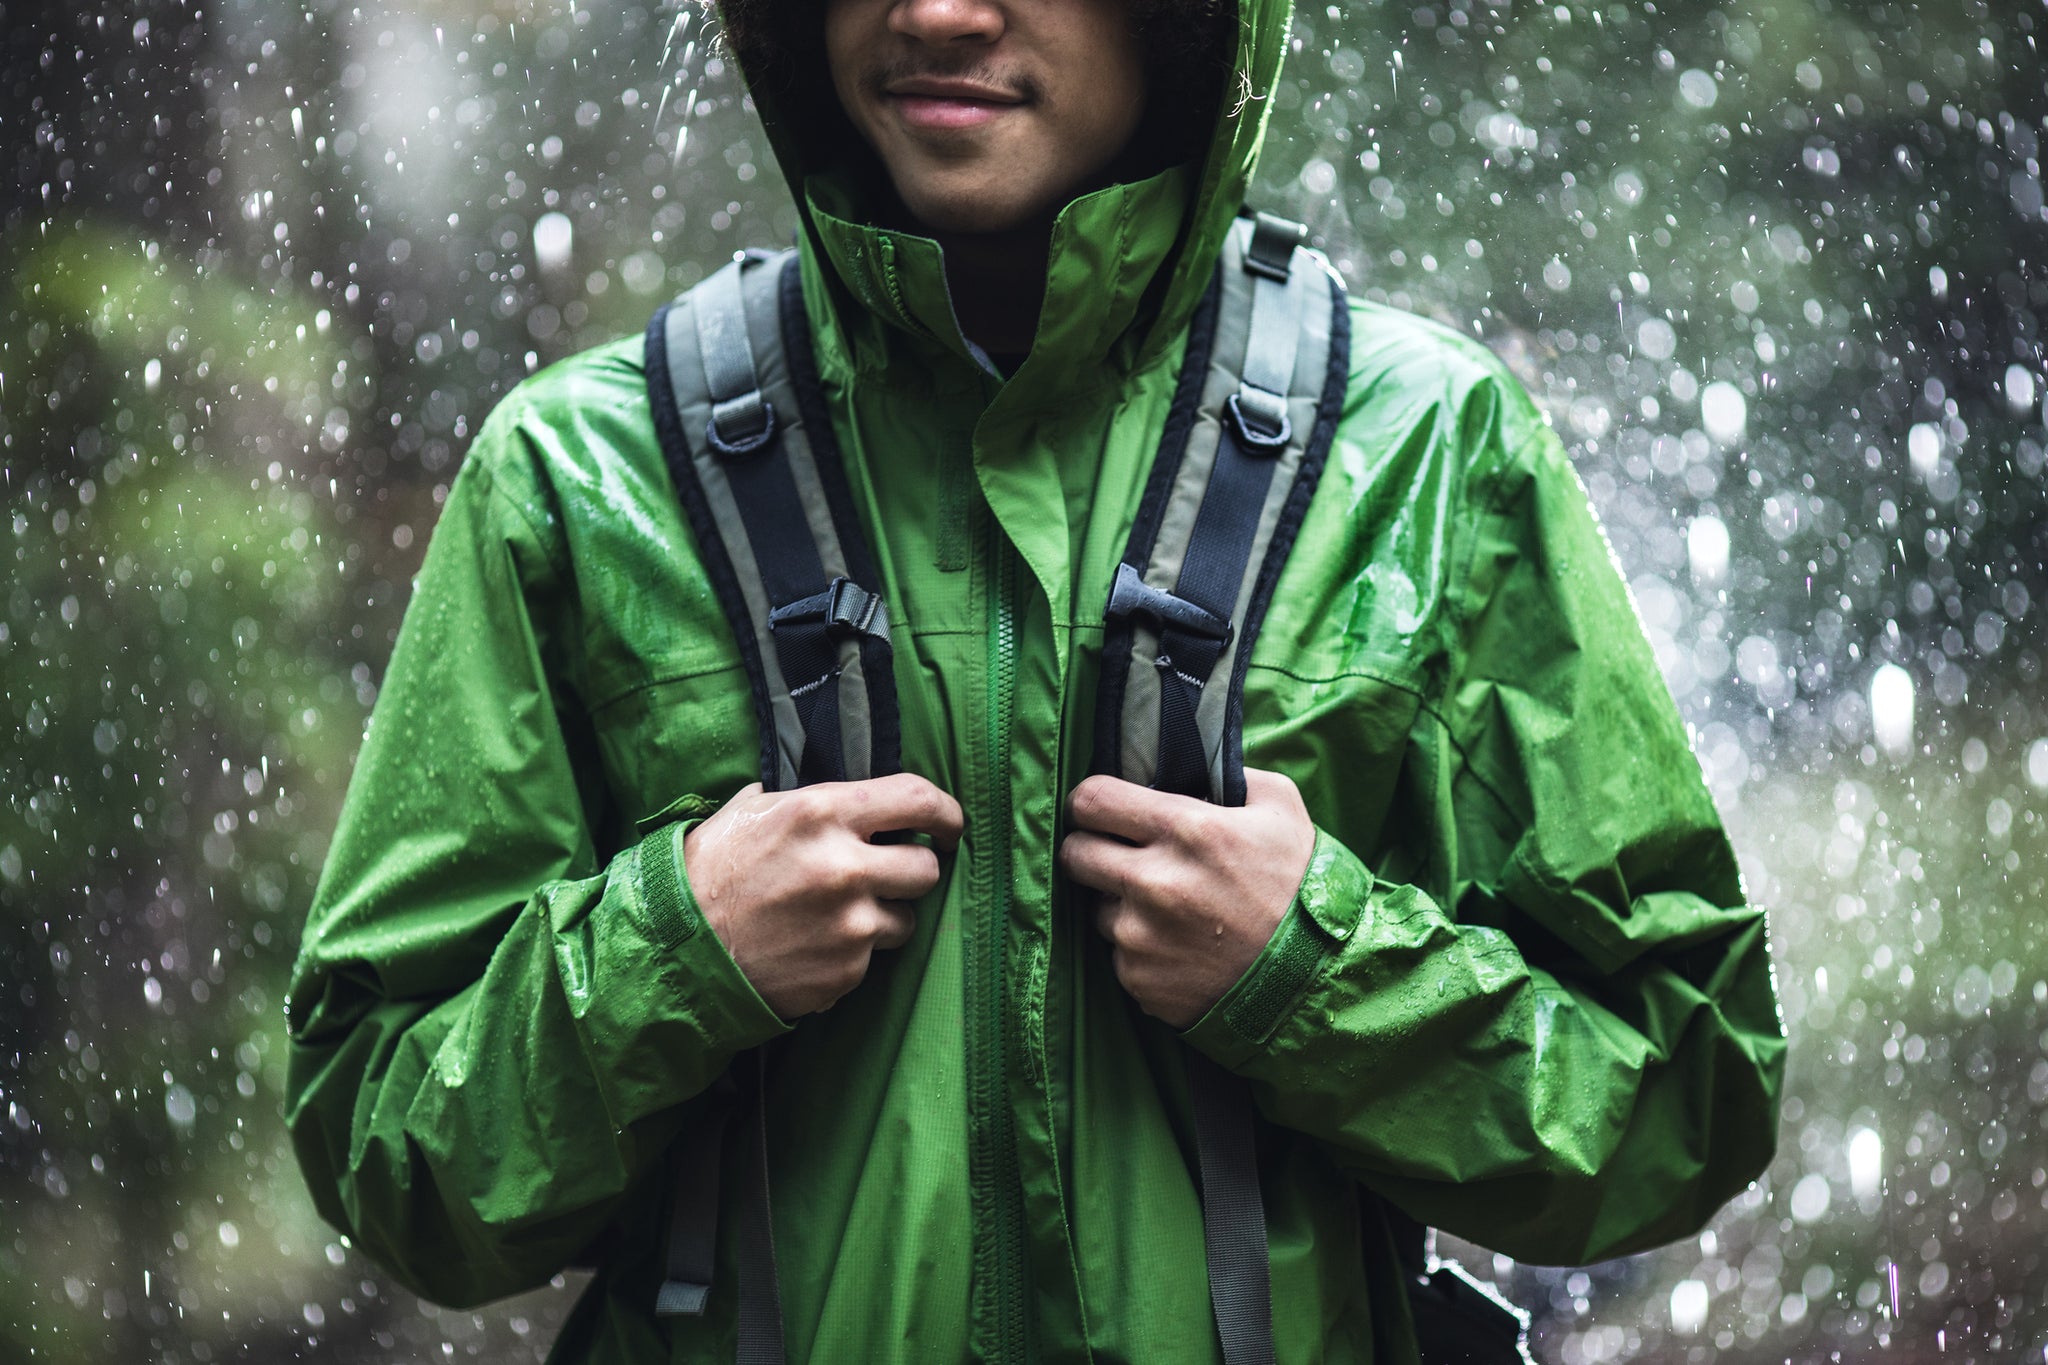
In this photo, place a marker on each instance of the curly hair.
(1189, 47)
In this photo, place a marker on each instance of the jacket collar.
(1107, 249)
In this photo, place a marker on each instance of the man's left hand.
(1191, 891)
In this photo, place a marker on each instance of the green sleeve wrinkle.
(495, 1030)
(1566, 1044)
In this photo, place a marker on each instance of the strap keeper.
(749, 409)
(1133, 596)
(1271, 251)
(1265, 429)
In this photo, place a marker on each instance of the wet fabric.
(1519, 994)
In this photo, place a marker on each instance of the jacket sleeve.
(493, 1030)
(1572, 1051)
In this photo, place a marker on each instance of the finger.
(1135, 814)
(899, 872)
(1264, 787)
(1118, 922)
(901, 801)
(896, 925)
(1097, 861)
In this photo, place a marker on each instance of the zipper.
(1002, 1256)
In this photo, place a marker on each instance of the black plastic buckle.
(742, 446)
(1133, 596)
(843, 608)
(1253, 436)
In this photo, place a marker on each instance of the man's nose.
(944, 22)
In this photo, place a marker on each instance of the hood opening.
(1191, 48)
(1211, 64)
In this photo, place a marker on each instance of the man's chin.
(984, 208)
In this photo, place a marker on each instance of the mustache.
(978, 70)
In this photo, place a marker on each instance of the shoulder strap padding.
(750, 449)
(1242, 453)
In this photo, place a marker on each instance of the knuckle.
(1188, 824)
(1086, 802)
(838, 878)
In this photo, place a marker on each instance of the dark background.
(1775, 268)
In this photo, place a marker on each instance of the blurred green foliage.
(1774, 268)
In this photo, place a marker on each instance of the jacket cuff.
(724, 1002)
(1324, 913)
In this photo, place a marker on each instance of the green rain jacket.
(1519, 994)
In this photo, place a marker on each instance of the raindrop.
(1724, 411)
(1891, 709)
(2019, 388)
(1656, 339)
(180, 1106)
(1923, 448)
(554, 239)
(1697, 89)
(1689, 1301)
(1811, 1197)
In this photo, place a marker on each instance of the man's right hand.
(799, 892)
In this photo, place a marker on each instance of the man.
(1476, 940)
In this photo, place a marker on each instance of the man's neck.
(997, 280)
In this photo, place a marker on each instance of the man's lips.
(940, 104)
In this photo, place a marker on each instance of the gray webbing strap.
(693, 1213)
(1233, 1214)
(760, 1316)
(741, 419)
(1268, 373)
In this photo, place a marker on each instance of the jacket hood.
(1128, 262)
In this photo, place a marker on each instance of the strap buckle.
(1267, 429)
(844, 608)
(1133, 596)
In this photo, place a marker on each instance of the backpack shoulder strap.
(749, 446)
(1244, 444)
(734, 391)
(1244, 447)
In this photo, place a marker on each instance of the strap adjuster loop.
(1258, 434)
(1270, 253)
(738, 447)
(1133, 596)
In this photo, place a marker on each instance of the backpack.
(743, 427)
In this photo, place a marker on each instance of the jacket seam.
(681, 675)
(558, 562)
(1362, 674)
